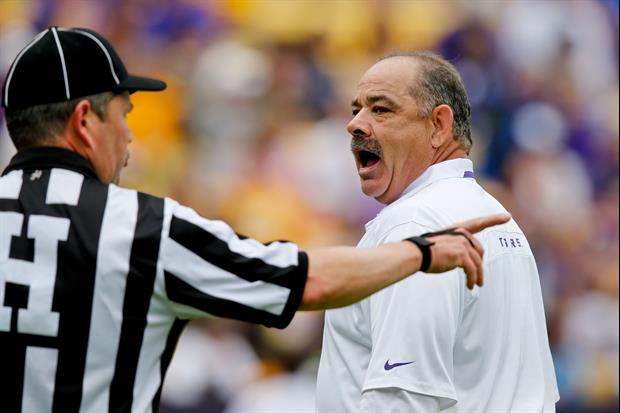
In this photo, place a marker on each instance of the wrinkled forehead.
(394, 76)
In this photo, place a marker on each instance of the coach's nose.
(358, 126)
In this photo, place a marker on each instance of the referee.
(97, 281)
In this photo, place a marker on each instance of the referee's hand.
(457, 247)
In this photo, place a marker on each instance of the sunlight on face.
(112, 153)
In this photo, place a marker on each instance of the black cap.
(61, 64)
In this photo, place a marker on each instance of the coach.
(97, 281)
(427, 344)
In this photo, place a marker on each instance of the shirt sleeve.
(208, 269)
(413, 328)
(395, 400)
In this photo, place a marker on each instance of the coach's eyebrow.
(355, 103)
(382, 98)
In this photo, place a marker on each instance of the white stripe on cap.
(62, 62)
(19, 56)
(105, 51)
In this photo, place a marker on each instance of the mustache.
(359, 143)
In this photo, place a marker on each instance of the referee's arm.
(340, 276)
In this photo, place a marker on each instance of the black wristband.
(425, 247)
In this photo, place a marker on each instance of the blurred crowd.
(251, 130)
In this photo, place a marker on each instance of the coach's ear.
(442, 118)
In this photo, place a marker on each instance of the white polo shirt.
(428, 340)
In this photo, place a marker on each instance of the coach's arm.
(340, 276)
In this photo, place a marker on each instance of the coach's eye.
(380, 109)
(355, 112)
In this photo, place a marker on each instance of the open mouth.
(367, 152)
(367, 159)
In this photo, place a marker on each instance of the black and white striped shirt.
(97, 281)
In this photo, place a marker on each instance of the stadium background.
(251, 130)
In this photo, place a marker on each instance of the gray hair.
(41, 124)
(440, 83)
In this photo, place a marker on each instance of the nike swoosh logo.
(389, 366)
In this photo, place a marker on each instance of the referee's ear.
(83, 126)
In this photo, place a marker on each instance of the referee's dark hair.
(36, 125)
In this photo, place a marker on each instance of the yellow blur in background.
(252, 130)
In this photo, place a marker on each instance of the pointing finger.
(478, 224)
